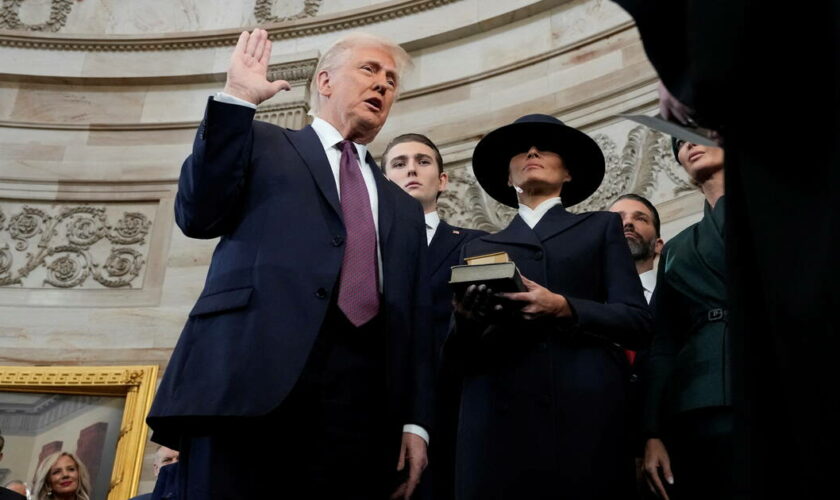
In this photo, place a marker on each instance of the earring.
(49, 492)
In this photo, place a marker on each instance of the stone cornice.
(295, 72)
(220, 38)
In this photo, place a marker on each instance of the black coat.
(543, 410)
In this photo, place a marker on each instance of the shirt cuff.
(229, 99)
(416, 429)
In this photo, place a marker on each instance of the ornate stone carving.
(293, 29)
(296, 73)
(69, 257)
(131, 229)
(645, 154)
(10, 16)
(292, 115)
(262, 11)
(466, 204)
(27, 224)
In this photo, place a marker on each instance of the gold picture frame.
(135, 383)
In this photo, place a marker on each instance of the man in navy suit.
(413, 162)
(309, 343)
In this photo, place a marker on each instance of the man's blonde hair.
(336, 55)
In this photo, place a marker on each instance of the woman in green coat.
(688, 418)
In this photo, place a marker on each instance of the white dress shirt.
(648, 279)
(432, 223)
(330, 137)
(533, 216)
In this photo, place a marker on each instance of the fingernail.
(670, 480)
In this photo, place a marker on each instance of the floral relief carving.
(262, 11)
(465, 204)
(645, 155)
(72, 244)
(10, 16)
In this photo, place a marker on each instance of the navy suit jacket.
(270, 194)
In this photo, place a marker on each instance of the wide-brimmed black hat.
(581, 156)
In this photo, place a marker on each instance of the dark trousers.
(700, 444)
(328, 439)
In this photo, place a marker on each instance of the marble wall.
(99, 100)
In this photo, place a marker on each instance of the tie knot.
(347, 147)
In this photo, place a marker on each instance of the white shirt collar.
(330, 136)
(648, 279)
(432, 223)
(533, 216)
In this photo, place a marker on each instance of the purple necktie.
(358, 291)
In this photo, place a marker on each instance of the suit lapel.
(309, 147)
(442, 245)
(386, 202)
(555, 221)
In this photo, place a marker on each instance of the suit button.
(321, 293)
(337, 241)
(538, 255)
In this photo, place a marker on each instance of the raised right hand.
(247, 74)
(656, 458)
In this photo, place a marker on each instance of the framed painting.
(95, 413)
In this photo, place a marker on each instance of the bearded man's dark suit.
(544, 406)
(269, 299)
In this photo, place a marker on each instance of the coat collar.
(555, 221)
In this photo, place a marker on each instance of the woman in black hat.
(545, 376)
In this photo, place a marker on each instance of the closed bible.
(498, 276)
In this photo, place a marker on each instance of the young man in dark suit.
(310, 342)
(413, 162)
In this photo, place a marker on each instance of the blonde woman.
(62, 476)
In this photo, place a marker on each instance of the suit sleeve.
(623, 317)
(422, 354)
(213, 177)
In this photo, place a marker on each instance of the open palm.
(247, 74)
